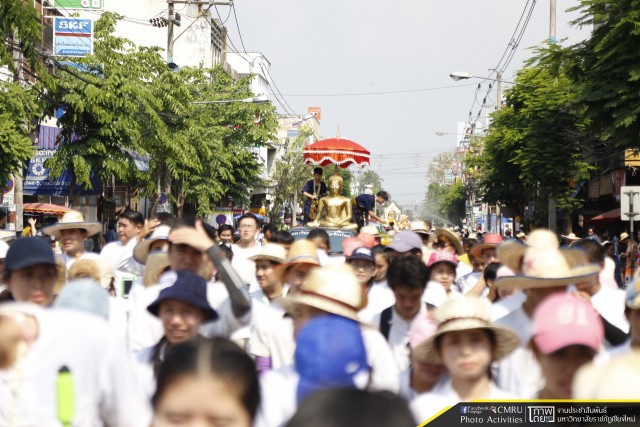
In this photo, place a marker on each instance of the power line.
(389, 92)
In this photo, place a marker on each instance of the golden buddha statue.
(336, 208)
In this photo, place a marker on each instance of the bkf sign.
(72, 37)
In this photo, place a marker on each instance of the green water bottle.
(65, 394)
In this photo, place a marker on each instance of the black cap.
(27, 252)
(362, 253)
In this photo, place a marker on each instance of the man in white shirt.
(271, 335)
(247, 246)
(120, 253)
(72, 231)
(407, 278)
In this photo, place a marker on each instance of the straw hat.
(419, 227)
(452, 237)
(616, 379)
(107, 271)
(301, 252)
(71, 220)
(157, 263)
(490, 241)
(548, 267)
(141, 250)
(84, 268)
(511, 253)
(370, 229)
(334, 289)
(271, 252)
(460, 314)
(624, 235)
(572, 237)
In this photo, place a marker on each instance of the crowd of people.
(180, 323)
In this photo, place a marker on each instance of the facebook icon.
(464, 409)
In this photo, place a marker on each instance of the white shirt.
(278, 397)
(620, 350)
(246, 268)
(68, 261)
(121, 256)
(505, 306)
(435, 294)
(426, 405)
(271, 332)
(398, 339)
(105, 388)
(610, 303)
(379, 297)
(465, 283)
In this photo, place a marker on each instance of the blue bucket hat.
(188, 288)
(330, 353)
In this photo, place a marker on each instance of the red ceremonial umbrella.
(337, 151)
(46, 208)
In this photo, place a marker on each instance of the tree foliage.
(18, 109)
(369, 178)
(534, 148)
(124, 102)
(19, 21)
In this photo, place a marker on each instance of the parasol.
(46, 208)
(338, 151)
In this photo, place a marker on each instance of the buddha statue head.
(335, 184)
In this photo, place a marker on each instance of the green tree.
(289, 177)
(369, 178)
(21, 28)
(534, 147)
(452, 204)
(18, 109)
(606, 70)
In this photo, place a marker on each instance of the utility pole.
(170, 33)
(18, 76)
(552, 40)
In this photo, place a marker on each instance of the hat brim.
(578, 274)
(512, 253)
(7, 235)
(156, 264)
(141, 250)
(92, 228)
(290, 303)
(452, 238)
(506, 339)
(476, 251)
(266, 258)
(281, 270)
(209, 313)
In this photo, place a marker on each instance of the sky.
(322, 51)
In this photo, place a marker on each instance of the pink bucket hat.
(562, 320)
(422, 327)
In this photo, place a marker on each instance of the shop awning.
(612, 215)
(45, 208)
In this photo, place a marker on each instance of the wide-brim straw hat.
(301, 252)
(616, 379)
(271, 252)
(141, 250)
(452, 237)
(490, 241)
(72, 220)
(157, 263)
(572, 237)
(334, 289)
(624, 236)
(464, 313)
(419, 227)
(549, 267)
(511, 253)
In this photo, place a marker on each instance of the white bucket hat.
(463, 313)
(72, 220)
(334, 289)
(273, 252)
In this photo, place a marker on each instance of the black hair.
(251, 216)
(134, 216)
(166, 218)
(383, 194)
(407, 271)
(225, 227)
(317, 170)
(491, 271)
(379, 250)
(218, 357)
(319, 233)
(594, 250)
(269, 227)
(283, 237)
(111, 225)
(352, 407)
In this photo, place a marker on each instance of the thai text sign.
(79, 4)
